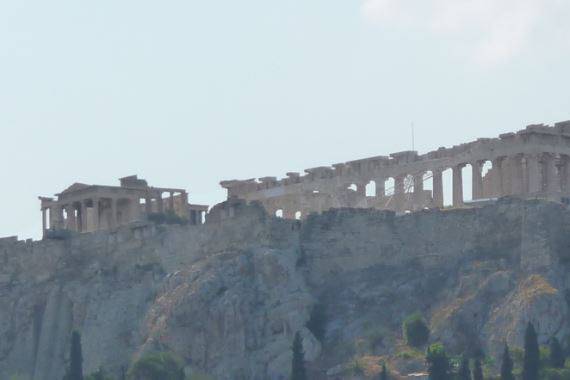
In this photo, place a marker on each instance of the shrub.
(416, 331)
(556, 374)
(157, 366)
(99, 375)
(438, 362)
(356, 367)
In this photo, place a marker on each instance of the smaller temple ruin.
(88, 208)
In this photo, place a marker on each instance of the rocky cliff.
(228, 296)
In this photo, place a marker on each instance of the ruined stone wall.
(228, 296)
(533, 162)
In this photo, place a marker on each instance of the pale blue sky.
(187, 93)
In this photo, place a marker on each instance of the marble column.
(159, 203)
(458, 185)
(477, 179)
(44, 222)
(498, 189)
(517, 178)
(114, 221)
(534, 174)
(551, 178)
(83, 215)
(419, 201)
(564, 169)
(438, 187)
(70, 210)
(148, 205)
(96, 216)
(380, 187)
(399, 185)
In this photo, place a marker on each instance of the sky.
(188, 93)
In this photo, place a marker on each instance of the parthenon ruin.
(531, 163)
(87, 208)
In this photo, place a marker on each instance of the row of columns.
(77, 216)
(521, 174)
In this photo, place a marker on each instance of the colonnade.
(94, 213)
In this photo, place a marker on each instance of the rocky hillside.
(227, 297)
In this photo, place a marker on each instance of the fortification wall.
(228, 296)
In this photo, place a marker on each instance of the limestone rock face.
(228, 297)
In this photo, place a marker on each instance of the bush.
(555, 374)
(99, 375)
(157, 366)
(416, 331)
(356, 367)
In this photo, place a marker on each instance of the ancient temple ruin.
(531, 163)
(87, 208)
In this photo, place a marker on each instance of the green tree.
(157, 366)
(76, 358)
(298, 364)
(384, 372)
(477, 370)
(507, 365)
(464, 370)
(531, 363)
(438, 362)
(416, 331)
(557, 357)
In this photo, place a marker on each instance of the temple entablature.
(87, 208)
(533, 162)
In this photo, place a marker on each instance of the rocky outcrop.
(228, 296)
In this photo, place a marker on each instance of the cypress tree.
(438, 363)
(557, 358)
(464, 370)
(507, 365)
(477, 370)
(384, 373)
(531, 362)
(76, 358)
(298, 365)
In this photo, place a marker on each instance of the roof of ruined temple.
(75, 187)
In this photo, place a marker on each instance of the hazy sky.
(187, 93)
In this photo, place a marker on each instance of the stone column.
(516, 175)
(458, 185)
(160, 205)
(171, 201)
(380, 187)
(419, 190)
(534, 174)
(438, 187)
(70, 210)
(96, 216)
(184, 203)
(148, 205)
(552, 180)
(477, 179)
(498, 177)
(399, 185)
(44, 222)
(113, 203)
(56, 216)
(83, 215)
(564, 169)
